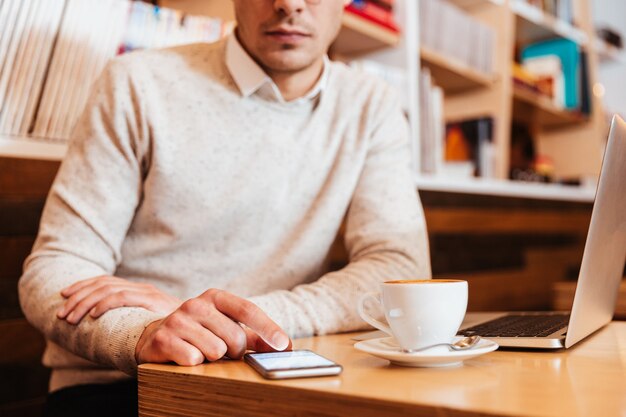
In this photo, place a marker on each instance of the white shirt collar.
(250, 77)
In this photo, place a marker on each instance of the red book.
(373, 13)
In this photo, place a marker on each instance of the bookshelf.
(572, 140)
(25, 147)
(543, 112)
(468, 92)
(359, 36)
(51, 54)
(505, 188)
(532, 24)
(470, 4)
(453, 76)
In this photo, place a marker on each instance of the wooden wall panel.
(19, 216)
(511, 250)
(31, 345)
(24, 185)
(26, 177)
(14, 251)
(503, 220)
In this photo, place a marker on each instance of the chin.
(288, 61)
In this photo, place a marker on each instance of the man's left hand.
(95, 296)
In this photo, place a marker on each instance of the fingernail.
(70, 318)
(279, 341)
(92, 312)
(61, 313)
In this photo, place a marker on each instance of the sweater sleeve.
(86, 217)
(385, 237)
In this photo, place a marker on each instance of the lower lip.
(287, 37)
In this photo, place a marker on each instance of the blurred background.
(509, 104)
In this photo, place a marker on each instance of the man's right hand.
(210, 326)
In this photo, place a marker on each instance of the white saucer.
(387, 348)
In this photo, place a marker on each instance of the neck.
(292, 84)
(295, 84)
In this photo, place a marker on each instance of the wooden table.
(587, 380)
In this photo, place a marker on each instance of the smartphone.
(291, 364)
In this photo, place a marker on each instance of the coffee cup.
(419, 313)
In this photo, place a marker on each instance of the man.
(193, 214)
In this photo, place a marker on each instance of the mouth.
(287, 35)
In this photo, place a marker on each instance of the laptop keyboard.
(519, 325)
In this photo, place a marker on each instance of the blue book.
(569, 54)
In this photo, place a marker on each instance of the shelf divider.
(534, 25)
(452, 75)
(543, 111)
(359, 35)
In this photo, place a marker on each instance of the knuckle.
(123, 294)
(108, 288)
(160, 340)
(192, 357)
(236, 342)
(175, 321)
(211, 293)
(237, 338)
(190, 306)
(217, 351)
(82, 306)
(102, 305)
(246, 310)
(71, 302)
(107, 280)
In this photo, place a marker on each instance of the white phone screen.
(297, 359)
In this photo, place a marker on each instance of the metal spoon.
(461, 344)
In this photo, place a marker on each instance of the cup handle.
(369, 319)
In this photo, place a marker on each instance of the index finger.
(255, 343)
(79, 285)
(253, 317)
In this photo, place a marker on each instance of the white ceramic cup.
(420, 313)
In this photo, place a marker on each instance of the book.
(586, 100)
(561, 9)
(17, 29)
(373, 12)
(465, 39)
(32, 63)
(93, 29)
(51, 52)
(470, 143)
(59, 65)
(16, 76)
(568, 53)
(431, 124)
(75, 48)
(50, 34)
(548, 67)
(8, 20)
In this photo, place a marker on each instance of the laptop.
(600, 273)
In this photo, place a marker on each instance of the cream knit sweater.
(174, 178)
